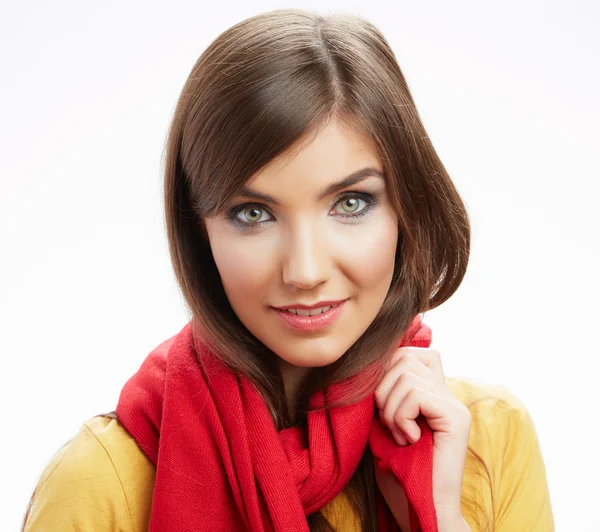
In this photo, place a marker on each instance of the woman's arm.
(99, 480)
(78, 490)
(522, 501)
(505, 487)
(396, 500)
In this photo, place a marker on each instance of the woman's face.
(309, 242)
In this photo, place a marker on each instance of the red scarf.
(221, 466)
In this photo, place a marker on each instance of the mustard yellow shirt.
(100, 480)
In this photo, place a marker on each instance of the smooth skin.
(414, 384)
(307, 249)
(300, 246)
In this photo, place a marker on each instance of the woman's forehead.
(337, 158)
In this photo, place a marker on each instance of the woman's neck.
(293, 377)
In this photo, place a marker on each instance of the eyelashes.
(232, 215)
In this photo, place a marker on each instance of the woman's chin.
(314, 358)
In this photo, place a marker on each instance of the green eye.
(350, 204)
(253, 217)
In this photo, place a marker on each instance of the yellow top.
(100, 480)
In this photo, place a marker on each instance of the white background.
(508, 92)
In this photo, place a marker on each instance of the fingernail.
(400, 438)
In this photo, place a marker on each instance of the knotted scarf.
(221, 465)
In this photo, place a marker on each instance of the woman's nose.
(306, 259)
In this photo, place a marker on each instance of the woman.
(310, 224)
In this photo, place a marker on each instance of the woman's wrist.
(454, 524)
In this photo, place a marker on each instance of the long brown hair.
(263, 85)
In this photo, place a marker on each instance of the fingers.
(405, 383)
(423, 362)
(427, 356)
(443, 414)
(414, 383)
(437, 409)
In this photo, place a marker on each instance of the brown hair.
(261, 86)
(264, 84)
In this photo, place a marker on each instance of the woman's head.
(312, 241)
(287, 103)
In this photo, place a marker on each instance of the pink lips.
(311, 323)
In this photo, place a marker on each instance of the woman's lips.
(311, 323)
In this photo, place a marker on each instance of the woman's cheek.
(366, 252)
(245, 262)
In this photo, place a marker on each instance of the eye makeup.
(369, 199)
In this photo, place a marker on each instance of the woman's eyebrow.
(352, 179)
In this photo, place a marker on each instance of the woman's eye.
(252, 215)
(350, 205)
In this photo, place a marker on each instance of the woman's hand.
(414, 384)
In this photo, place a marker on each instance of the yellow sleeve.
(504, 486)
(97, 481)
(523, 500)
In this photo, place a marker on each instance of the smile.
(311, 319)
(309, 312)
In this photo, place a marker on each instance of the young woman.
(311, 224)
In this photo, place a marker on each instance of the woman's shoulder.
(496, 412)
(486, 401)
(498, 418)
(98, 480)
(505, 482)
